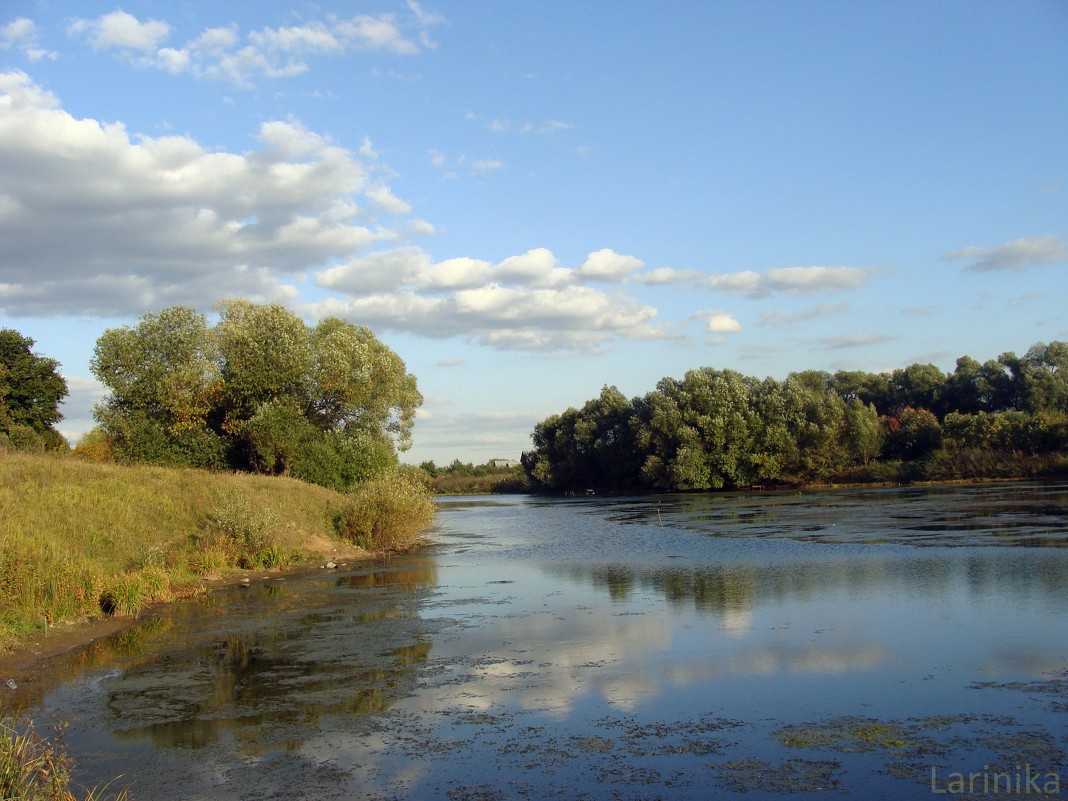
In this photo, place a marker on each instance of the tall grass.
(387, 513)
(36, 767)
(78, 538)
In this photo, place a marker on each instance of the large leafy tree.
(31, 390)
(259, 391)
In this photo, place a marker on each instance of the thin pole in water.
(658, 517)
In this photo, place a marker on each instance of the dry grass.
(78, 538)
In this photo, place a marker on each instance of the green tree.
(266, 356)
(918, 386)
(165, 370)
(864, 431)
(913, 434)
(31, 388)
(259, 391)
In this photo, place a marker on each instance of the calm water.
(717, 646)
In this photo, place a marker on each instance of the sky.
(530, 200)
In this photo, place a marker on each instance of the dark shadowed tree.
(31, 390)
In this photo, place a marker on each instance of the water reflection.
(258, 666)
(1017, 514)
(734, 589)
(545, 646)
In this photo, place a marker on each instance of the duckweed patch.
(1038, 750)
(1054, 689)
(847, 735)
(790, 776)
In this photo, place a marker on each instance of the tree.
(166, 369)
(31, 390)
(864, 431)
(913, 434)
(259, 391)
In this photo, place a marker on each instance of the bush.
(242, 536)
(387, 513)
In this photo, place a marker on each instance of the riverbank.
(81, 541)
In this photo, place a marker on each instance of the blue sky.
(530, 200)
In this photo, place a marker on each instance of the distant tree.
(912, 434)
(918, 386)
(1047, 379)
(864, 431)
(31, 390)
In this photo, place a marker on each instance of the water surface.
(734, 645)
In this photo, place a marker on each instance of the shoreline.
(67, 636)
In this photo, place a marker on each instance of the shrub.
(243, 533)
(387, 513)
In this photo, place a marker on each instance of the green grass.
(80, 538)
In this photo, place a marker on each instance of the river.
(878, 643)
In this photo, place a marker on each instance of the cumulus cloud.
(525, 302)
(607, 265)
(719, 322)
(121, 31)
(97, 220)
(1014, 255)
(21, 34)
(224, 54)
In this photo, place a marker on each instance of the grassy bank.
(79, 539)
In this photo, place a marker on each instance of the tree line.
(258, 391)
(719, 429)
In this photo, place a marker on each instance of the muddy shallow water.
(860, 642)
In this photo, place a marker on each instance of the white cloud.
(801, 280)
(792, 280)
(458, 273)
(121, 31)
(663, 276)
(22, 35)
(525, 302)
(376, 32)
(607, 265)
(747, 282)
(1014, 255)
(220, 53)
(375, 272)
(386, 201)
(719, 322)
(97, 220)
(536, 267)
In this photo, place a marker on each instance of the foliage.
(36, 767)
(31, 390)
(720, 429)
(259, 391)
(459, 478)
(387, 512)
